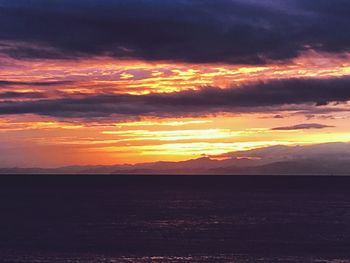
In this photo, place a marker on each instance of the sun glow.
(159, 138)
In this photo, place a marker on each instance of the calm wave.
(174, 219)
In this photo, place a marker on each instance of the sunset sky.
(98, 82)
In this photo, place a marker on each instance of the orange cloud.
(151, 139)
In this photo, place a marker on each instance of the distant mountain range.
(320, 159)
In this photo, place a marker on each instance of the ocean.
(127, 218)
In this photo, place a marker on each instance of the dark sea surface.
(97, 219)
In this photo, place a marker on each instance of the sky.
(91, 82)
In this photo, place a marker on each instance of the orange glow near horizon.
(113, 143)
(49, 141)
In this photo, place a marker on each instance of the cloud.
(197, 31)
(304, 126)
(6, 83)
(270, 96)
(22, 95)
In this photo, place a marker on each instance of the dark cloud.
(231, 31)
(272, 96)
(22, 95)
(304, 126)
(5, 83)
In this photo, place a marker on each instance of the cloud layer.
(304, 126)
(7, 83)
(259, 97)
(197, 31)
